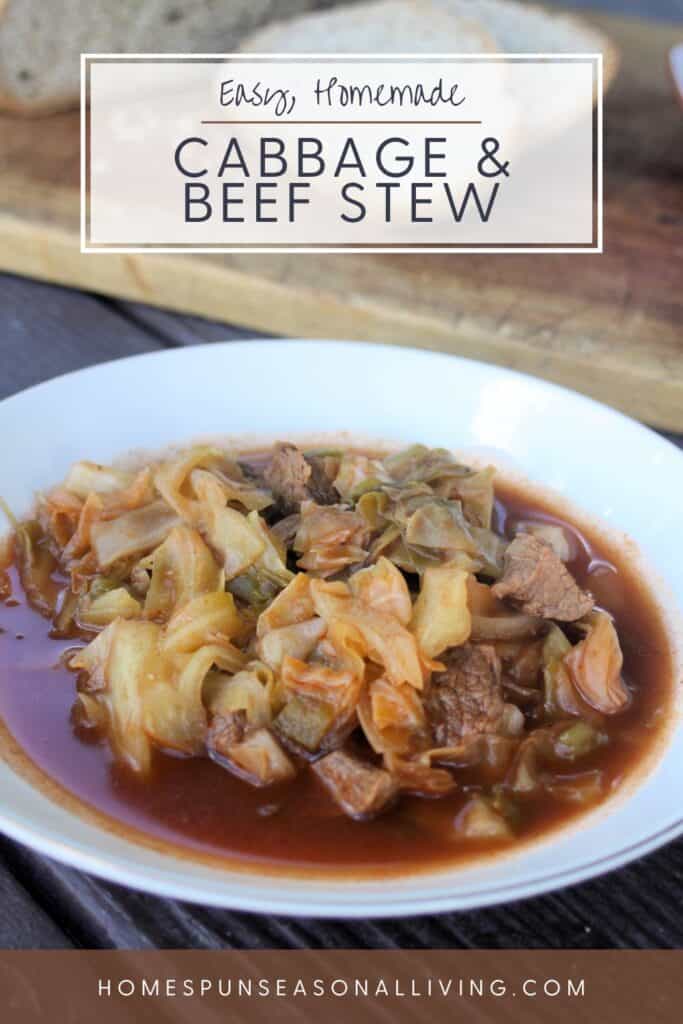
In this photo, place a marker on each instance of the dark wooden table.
(44, 331)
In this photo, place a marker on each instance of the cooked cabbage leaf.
(133, 533)
(387, 641)
(384, 588)
(595, 666)
(441, 617)
(182, 568)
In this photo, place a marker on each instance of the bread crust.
(15, 106)
(66, 96)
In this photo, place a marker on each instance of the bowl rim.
(229, 344)
(316, 906)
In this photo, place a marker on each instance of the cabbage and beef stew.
(324, 657)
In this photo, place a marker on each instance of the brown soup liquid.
(198, 806)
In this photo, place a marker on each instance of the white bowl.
(614, 469)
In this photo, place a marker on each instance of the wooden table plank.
(181, 328)
(45, 330)
(23, 923)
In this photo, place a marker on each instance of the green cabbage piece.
(578, 740)
(304, 722)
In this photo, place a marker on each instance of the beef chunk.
(320, 486)
(287, 475)
(360, 789)
(225, 731)
(293, 478)
(537, 582)
(329, 538)
(466, 699)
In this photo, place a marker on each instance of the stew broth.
(205, 810)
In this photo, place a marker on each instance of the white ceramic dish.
(615, 470)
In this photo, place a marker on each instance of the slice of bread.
(526, 28)
(421, 27)
(41, 40)
(453, 26)
(384, 26)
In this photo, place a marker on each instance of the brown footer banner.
(342, 985)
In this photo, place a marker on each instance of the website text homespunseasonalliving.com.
(274, 987)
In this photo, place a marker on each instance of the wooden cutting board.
(610, 325)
